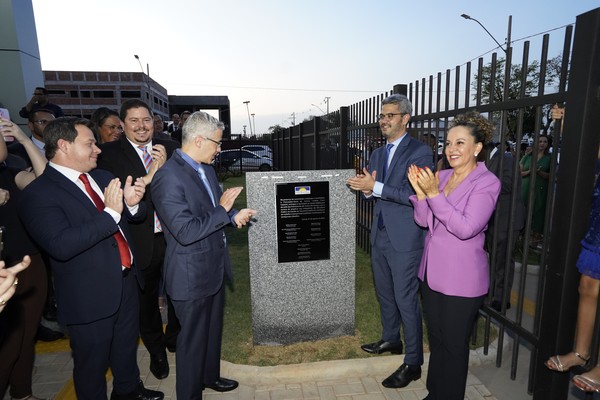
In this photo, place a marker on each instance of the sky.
(287, 56)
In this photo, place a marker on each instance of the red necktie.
(121, 242)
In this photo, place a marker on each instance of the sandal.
(554, 363)
(586, 384)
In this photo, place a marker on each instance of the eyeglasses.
(41, 122)
(388, 116)
(214, 141)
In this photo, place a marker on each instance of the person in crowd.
(174, 123)
(9, 282)
(159, 128)
(588, 265)
(38, 120)
(38, 101)
(48, 330)
(139, 155)
(106, 125)
(396, 240)
(177, 133)
(455, 205)
(499, 225)
(78, 214)
(542, 180)
(194, 211)
(20, 320)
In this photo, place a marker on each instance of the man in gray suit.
(396, 240)
(194, 210)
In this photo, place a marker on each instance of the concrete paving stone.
(472, 394)
(370, 385)
(262, 395)
(349, 389)
(293, 386)
(270, 387)
(310, 390)
(285, 394)
(331, 382)
(167, 386)
(354, 379)
(326, 393)
(483, 390)
(391, 394)
(344, 398)
(413, 395)
(246, 392)
(369, 396)
(57, 377)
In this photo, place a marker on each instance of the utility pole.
(327, 102)
(146, 78)
(248, 110)
(253, 123)
(244, 129)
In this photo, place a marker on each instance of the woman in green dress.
(541, 184)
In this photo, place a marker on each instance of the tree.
(532, 84)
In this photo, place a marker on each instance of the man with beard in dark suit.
(138, 154)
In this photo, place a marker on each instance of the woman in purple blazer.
(455, 205)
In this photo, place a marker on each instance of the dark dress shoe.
(140, 393)
(222, 385)
(382, 346)
(402, 377)
(48, 335)
(159, 365)
(171, 348)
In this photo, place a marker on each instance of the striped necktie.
(147, 163)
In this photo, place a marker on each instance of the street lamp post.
(248, 110)
(146, 78)
(320, 109)
(465, 16)
(253, 123)
(508, 55)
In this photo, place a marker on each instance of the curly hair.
(479, 127)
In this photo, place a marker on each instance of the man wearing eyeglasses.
(39, 100)
(194, 211)
(139, 154)
(396, 240)
(37, 122)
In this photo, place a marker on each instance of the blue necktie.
(388, 147)
(380, 223)
(207, 184)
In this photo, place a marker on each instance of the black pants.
(18, 325)
(449, 324)
(151, 326)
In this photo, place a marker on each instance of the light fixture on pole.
(320, 109)
(146, 78)
(253, 123)
(248, 110)
(465, 16)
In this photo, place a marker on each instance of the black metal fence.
(542, 318)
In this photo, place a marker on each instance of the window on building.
(86, 93)
(104, 94)
(131, 94)
(74, 93)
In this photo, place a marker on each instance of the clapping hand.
(244, 216)
(426, 180)
(133, 192)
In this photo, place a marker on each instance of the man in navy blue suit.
(194, 210)
(78, 215)
(396, 240)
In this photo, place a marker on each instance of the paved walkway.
(358, 379)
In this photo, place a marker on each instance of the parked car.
(260, 149)
(241, 160)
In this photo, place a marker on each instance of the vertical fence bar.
(573, 199)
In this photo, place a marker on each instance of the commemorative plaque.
(303, 231)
